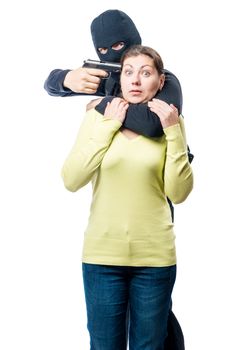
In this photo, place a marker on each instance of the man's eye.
(103, 50)
(118, 46)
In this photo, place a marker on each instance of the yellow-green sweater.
(130, 220)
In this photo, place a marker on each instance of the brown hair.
(137, 50)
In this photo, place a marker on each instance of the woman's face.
(140, 79)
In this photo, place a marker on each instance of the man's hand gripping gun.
(109, 67)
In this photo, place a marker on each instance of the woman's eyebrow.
(127, 64)
(145, 65)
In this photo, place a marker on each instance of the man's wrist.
(65, 80)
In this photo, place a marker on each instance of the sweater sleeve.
(178, 175)
(93, 140)
(54, 83)
(171, 92)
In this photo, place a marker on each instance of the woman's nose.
(136, 79)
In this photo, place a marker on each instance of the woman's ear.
(161, 81)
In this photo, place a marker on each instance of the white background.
(41, 294)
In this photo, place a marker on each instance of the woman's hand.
(116, 109)
(168, 114)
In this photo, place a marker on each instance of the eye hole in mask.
(117, 46)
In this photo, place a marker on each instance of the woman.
(129, 257)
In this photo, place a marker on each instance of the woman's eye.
(146, 73)
(128, 72)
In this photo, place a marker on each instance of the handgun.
(109, 67)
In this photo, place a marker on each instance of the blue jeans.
(137, 296)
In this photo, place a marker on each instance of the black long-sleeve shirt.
(139, 117)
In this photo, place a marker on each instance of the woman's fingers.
(168, 114)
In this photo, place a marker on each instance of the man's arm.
(81, 81)
(171, 92)
(140, 119)
(54, 83)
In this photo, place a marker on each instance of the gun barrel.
(107, 66)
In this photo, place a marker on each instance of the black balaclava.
(110, 27)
